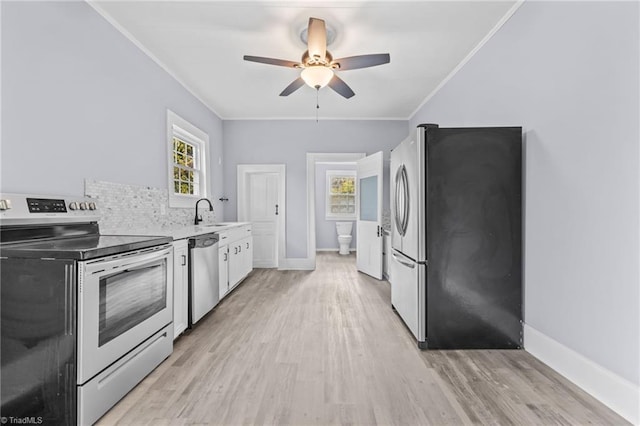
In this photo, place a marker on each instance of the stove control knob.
(83, 206)
(73, 205)
(92, 206)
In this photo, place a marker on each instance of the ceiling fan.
(318, 66)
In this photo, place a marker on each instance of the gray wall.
(287, 142)
(326, 235)
(79, 101)
(568, 73)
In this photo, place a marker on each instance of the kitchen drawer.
(234, 234)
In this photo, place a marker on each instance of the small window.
(341, 194)
(186, 167)
(187, 161)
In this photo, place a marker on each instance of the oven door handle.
(128, 262)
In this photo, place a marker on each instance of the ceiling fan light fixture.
(317, 76)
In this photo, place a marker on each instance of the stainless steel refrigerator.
(456, 258)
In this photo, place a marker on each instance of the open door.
(369, 215)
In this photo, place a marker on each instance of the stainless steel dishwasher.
(203, 276)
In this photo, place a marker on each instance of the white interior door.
(259, 202)
(369, 213)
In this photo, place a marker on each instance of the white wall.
(326, 235)
(568, 73)
(288, 142)
(79, 101)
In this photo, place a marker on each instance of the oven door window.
(129, 297)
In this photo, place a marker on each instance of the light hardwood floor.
(325, 347)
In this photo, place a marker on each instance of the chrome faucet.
(198, 218)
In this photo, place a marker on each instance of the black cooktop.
(81, 248)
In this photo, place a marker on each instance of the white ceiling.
(202, 43)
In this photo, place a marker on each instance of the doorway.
(261, 201)
(312, 160)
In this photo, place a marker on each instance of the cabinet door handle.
(276, 210)
(184, 260)
(225, 257)
(378, 230)
(239, 249)
(247, 246)
(236, 250)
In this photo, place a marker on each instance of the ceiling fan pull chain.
(317, 102)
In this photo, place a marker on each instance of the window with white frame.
(187, 149)
(341, 194)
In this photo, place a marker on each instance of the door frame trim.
(312, 159)
(243, 170)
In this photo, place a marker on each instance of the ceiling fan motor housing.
(311, 61)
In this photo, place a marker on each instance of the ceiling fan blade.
(341, 87)
(317, 38)
(295, 85)
(362, 61)
(272, 61)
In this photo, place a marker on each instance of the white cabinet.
(239, 253)
(235, 257)
(386, 254)
(180, 287)
(247, 253)
(223, 270)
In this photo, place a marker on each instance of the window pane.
(176, 187)
(189, 161)
(369, 198)
(343, 185)
(176, 173)
(180, 146)
(348, 185)
(189, 149)
(335, 185)
(184, 188)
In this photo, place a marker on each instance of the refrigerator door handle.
(401, 198)
(402, 261)
(396, 204)
(405, 210)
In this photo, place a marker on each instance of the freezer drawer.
(404, 289)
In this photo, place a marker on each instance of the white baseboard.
(333, 249)
(617, 393)
(301, 264)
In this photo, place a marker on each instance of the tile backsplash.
(124, 207)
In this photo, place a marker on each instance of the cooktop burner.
(82, 248)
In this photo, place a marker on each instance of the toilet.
(344, 236)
